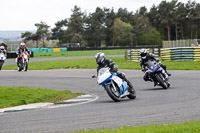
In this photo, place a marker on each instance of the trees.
(42, 33)
(122, 33)
(170, 20)
(95, 28)
(58, 32)
(75, 25)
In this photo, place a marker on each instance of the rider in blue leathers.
(145, 56)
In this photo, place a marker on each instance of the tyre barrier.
(181, 54)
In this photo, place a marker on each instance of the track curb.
(74, 101)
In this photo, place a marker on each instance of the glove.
(143, 70)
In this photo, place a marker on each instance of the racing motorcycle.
(154, 72)
(114, 86)
(2, 59)
(23, 61)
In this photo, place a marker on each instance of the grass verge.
(77, 53)
(90, 63)
(188, 127)
(13, 96)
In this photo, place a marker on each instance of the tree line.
(172, 20)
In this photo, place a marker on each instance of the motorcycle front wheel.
(25, 66)
(160, 80)
(1, 64)
(114, 95)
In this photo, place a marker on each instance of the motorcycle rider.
(103, 62)
(145, 57)
(22, 48)
(2, 50)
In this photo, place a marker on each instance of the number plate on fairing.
(117, 80)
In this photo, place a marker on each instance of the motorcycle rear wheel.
(25, 66)
(132, 95)
(112, 93)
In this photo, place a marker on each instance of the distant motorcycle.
(2, 59)
(114, 86)
(23, 61)
(154, 72)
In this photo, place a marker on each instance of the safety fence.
(181, 43)
(181, 54)
(133, 54)
(47, 49)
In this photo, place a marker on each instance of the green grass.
(90, 63)
(77, 53)
(188, 127)
(13, 96)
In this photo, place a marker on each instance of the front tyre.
(25, 66)
(114, 95)
(1, 64)
(159, 79)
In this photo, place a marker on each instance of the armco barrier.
(181, 54)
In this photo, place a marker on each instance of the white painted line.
(75, 101)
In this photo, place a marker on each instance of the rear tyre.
(114, 95)
(132, 94)
(160, 80)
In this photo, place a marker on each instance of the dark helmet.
(143, 53)
(100, 58)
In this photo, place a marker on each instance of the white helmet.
(143, 53)
(2, 47)
(100, 57)
(22, 44)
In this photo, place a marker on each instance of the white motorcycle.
(2, 59)
(114, 86)
(23, 61)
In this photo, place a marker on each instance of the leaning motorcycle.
(23, 61)
(114, 86)
(2, 59)
(154, 72)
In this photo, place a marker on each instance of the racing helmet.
(100, 58)
(143, 53)
(22, 45)
(2, 47)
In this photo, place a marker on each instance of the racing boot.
(130, 88)
(169, 74)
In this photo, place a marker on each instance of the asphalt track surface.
(153, 105)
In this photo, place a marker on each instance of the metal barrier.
(181, 54)
(181, 43)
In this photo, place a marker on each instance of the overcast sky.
(23, 14)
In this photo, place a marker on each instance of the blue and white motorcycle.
(155, 72)
(114, 86)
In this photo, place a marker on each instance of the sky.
(23, 14)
